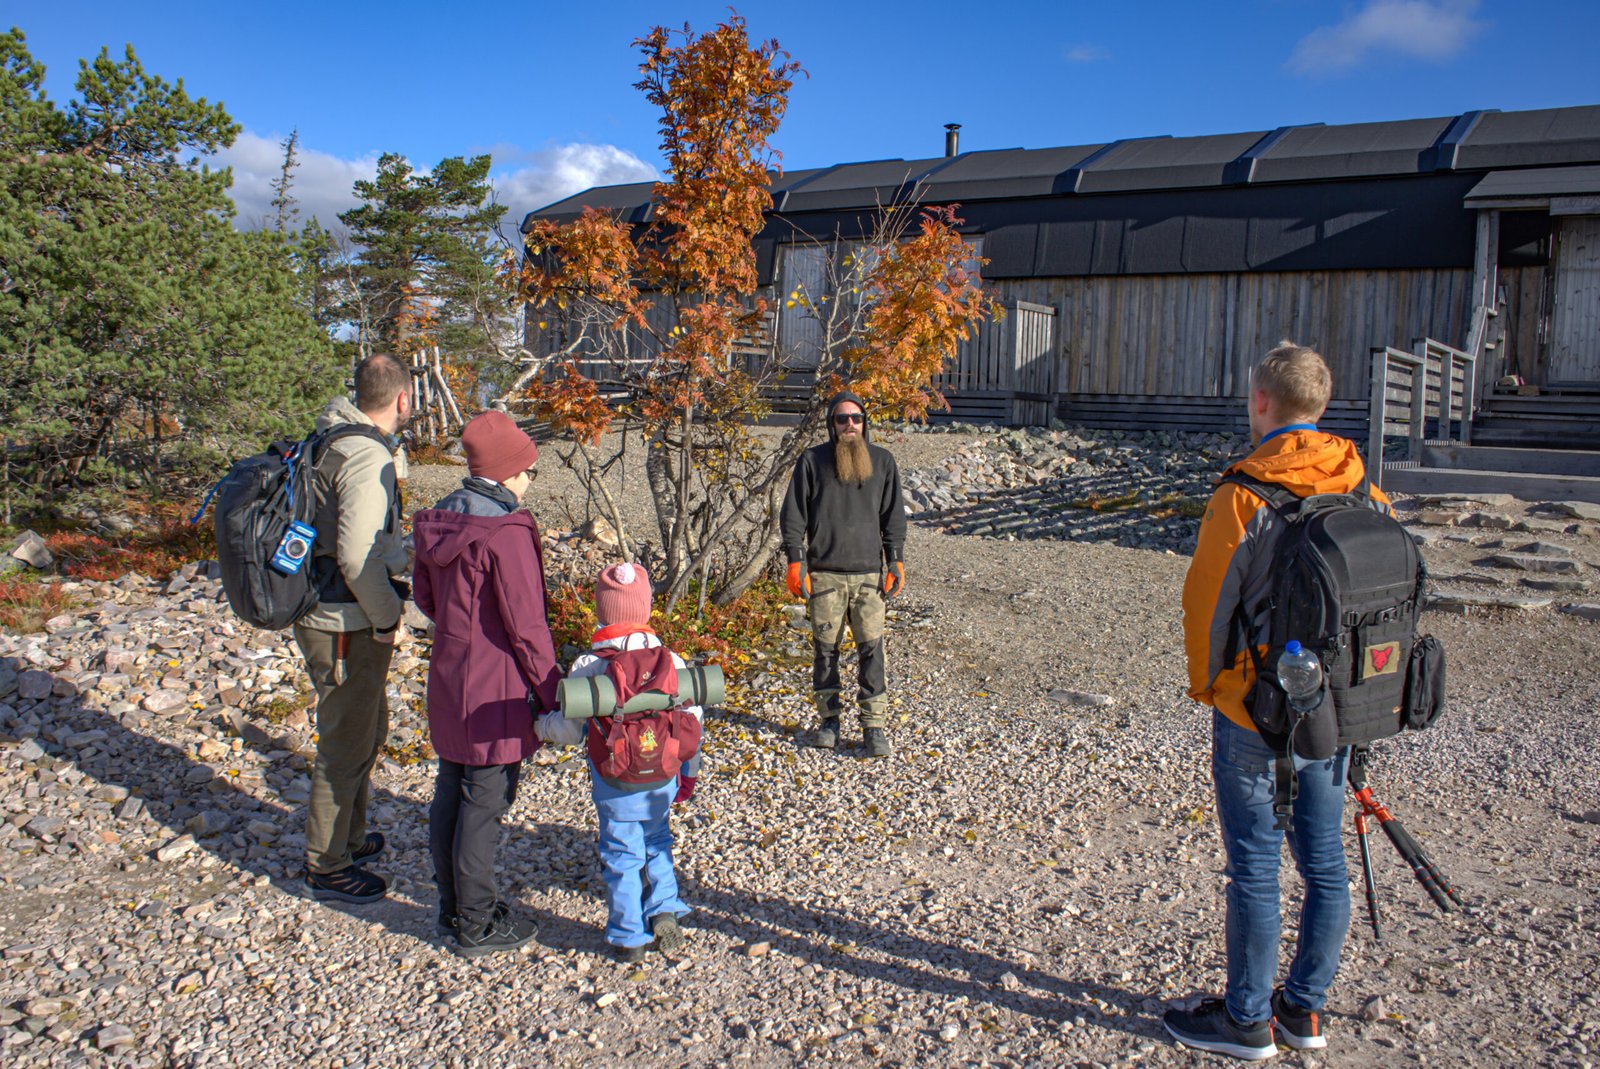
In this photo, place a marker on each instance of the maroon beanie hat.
(496, 448)
(622, 595)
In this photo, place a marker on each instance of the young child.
(635, 833)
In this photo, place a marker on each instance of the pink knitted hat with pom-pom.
(622, 595)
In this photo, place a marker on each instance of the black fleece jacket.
(836, 527)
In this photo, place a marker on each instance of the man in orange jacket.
(1232, 566)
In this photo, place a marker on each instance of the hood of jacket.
(840, 398)
(1306, 462)
(442, 536)
(343, 410)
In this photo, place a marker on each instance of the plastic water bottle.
(1300, 675)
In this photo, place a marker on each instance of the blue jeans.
(1241, 767)
(636, 860)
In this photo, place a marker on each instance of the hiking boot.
(669, 936)
(1210, 1027)
(351, 884)
(371, 848)
(1300, 1029)
(500, 933)
(876, 741)
(629, 955)
(828, 733)
(447, 923)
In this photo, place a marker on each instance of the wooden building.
(1145, 276)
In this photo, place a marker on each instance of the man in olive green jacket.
(348, 639)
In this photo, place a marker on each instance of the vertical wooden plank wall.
(1197, 335)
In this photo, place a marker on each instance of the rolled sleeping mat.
(596, 696)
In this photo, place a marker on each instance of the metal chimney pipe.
(952, 138)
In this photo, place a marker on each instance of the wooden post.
(1377, 412)
(1419, 402)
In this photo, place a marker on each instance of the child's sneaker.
(1210, 1027)
(1300, 1029)
(630, 955)
(669, 936)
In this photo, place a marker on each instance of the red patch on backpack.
(1381, 660)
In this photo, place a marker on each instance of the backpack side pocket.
(1424, 694)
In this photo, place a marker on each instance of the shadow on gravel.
(921, 963)
(1063, 509)
(151, 770)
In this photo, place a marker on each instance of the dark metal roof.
(1475, 141)
(1538, 183)
(1550, 137)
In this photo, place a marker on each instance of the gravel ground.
(1030, 879)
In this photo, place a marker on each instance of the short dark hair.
(379, 380)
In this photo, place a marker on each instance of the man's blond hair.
(1297, 380)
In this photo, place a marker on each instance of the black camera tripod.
(1422, 867)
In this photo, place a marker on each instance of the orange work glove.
(894, 579)
(799, 580)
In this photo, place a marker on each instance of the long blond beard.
(852, 460)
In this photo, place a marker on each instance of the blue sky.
(547, 87)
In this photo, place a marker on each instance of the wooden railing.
(1434, 381)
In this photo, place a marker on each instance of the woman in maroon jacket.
(479, 577)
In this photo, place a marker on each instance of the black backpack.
(1348, 584)
(257, 501)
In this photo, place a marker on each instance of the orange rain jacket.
(1233, 560)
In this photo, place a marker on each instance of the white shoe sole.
(1222, 1046)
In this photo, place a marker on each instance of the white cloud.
(1434, 30)
(1086, 54)
(321, 185)
(549, 175)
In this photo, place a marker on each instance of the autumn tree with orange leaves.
(652, 318)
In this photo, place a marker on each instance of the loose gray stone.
(176, 848)
(34, 685)
(165, 701)
(1372, 1009)
(1081, 699)
(45, 826)
(1563, 586)
(30, 750)
(30, 549)
(113, 1035)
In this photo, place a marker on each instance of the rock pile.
(1135, 489)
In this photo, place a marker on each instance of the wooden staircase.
(1565, 420)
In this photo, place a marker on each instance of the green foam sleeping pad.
(595, 696)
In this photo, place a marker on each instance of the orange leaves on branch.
(593, 258)
(926, 301)
(417, 319)
(572, 403)
(721, 99)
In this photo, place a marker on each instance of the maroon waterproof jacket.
(480, 579)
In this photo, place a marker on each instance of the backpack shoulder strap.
(1281, 498)
(319, 441)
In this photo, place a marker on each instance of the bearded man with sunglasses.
(844, 532)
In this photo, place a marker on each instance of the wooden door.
(803, 270)
(1575, 315)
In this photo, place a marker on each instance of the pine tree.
(425, 238)
(144, 335)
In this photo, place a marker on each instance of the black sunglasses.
(849, 417)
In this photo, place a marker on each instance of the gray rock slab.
(1529, 562)
(1581, 510)
(1463, 603)
(30, 549)
(1559, 586)
(1584, 612)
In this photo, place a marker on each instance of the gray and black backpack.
(1347, 583)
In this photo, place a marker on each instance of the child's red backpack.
(645, 747)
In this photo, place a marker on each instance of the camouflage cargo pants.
(837, 601)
